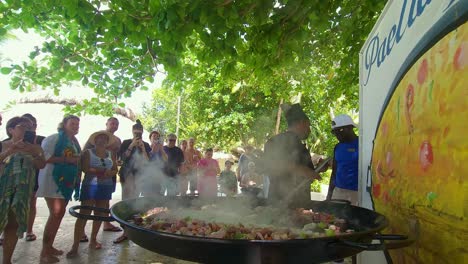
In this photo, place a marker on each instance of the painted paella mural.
(420, 156)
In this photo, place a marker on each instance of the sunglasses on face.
(24, 126)
(172, 140)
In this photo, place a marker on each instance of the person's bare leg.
(183, 184)
(108, 225)
(93, 243)
(79, 229)
(56, 212)
(32, 214)
(10, 238)
(128, 192)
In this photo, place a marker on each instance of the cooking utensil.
(285, 202)
(366, 223)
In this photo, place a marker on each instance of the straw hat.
(109, 135)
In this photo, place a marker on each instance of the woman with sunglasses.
(30, 236)
(19, 160)
(99, 166)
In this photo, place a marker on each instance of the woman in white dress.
(58, 180)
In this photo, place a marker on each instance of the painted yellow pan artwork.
(420, 156)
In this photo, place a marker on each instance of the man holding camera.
(134, 154)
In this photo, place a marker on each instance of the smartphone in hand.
(138, 135)
(29, 136)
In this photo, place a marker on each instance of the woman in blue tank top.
(99, 167)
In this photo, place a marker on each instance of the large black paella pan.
(366, 223)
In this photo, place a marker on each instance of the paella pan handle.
(339, 201)
(403, 241)
(74, 212)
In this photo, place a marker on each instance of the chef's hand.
(325, 167)
(307, 172)
(316, 176)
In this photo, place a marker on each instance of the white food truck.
(413, 121)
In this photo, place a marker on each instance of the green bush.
(315, 186)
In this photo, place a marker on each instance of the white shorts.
(344, 194)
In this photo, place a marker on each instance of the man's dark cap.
(294, 113)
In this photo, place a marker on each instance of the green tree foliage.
(161, 114)
(233, 61)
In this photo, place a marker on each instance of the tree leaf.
(6, 70)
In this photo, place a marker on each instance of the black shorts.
(114, 181)
(36, 184)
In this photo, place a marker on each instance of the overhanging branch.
(125, 112)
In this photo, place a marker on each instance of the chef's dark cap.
(293, 113)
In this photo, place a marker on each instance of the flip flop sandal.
(120, 239)
(49, 259)
(84, 238)
(30, 237)
(96, 246)
(71, 255)
(113, 229)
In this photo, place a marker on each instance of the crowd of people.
(57, 169)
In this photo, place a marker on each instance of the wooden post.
(178, 118)
(278, 118)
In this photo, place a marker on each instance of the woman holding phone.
(19, 161)
(34, 139)
(157, 150)
(151, 183)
